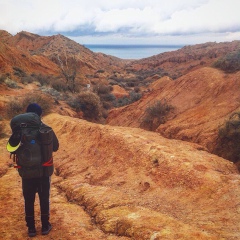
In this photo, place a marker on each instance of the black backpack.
(33, 157)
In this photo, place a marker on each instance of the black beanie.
(34, 107)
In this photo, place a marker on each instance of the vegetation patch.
(228, 141)
(19, 105)
(11, 83)
(59, 85)
(230, 63)
(19, 72)
(133, 97)
(156, 114)
(89, 103)
(2, 78)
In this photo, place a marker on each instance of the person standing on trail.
(32, 143)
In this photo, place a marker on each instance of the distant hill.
(182, 61)
(58, 45)
(94, 67)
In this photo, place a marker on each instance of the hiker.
(36, 177)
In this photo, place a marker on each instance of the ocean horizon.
(132, 51)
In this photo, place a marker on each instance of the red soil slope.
(203, 100)
(11, 57)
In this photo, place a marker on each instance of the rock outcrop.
(119, 92)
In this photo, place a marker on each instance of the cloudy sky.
(125, 21)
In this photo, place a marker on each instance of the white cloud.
(215, 16)
(152, 20)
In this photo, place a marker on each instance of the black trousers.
(30, 187)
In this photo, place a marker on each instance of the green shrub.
(229, 63)
(2, 78)
(120, 102)
(27, 79)
(102, 89)
(137, 90)
(59, 85)
(155, 115)
(108, 97)
(89, 103)
(107, 105)
(42, 79)
(228, 141)
(19, 72)
(133, 97)
(11, 83)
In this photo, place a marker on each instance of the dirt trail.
(69, 220)
(132, 183)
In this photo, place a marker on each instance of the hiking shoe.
(46, 230)
(32, 232)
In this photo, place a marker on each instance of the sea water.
(132, 51)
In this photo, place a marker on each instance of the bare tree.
(68, 66)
